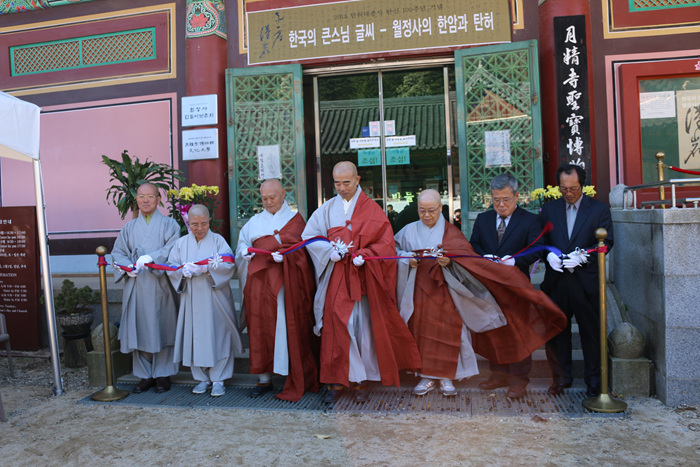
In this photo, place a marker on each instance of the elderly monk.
(440, 301)
(278, 297)
(149, 305)
(442, 297)
(363, 337)
(207, 332)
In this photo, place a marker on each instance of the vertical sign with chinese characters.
(688, 129)
(572, 90)
(19, 276)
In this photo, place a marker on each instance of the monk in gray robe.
(207, 333)
(149, 303)
(440, 301)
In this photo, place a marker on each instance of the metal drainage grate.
(466, 403)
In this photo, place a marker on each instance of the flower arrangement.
(544, 195)
(182, 200)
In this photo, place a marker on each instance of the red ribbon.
(225, 258)
(691, 172)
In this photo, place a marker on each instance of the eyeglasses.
(148, 197)
(502, 200)
(430, 211)
(573, 189)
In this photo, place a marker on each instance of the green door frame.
(256, 98)
(534, 112)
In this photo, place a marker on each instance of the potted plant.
(75, 308)
(129, 174)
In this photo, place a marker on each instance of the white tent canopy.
(19, 139)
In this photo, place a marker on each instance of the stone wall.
(657, 272)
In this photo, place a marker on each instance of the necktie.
(570, 218)
(501, 228)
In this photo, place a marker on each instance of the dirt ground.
(44, 430)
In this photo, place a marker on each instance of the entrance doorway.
(398, 127)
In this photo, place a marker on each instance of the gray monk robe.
(441, 305)
(149, 303)
(207, 334)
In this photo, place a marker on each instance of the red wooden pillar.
(555, 135)
(205, 58)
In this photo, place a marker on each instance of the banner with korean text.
(366, 26)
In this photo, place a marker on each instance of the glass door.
(396, 126)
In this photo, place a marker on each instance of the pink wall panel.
(72, 143)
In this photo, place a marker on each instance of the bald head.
(272, 195)
(345, 179)
(198, 210)
(431, 195)
(429, 207)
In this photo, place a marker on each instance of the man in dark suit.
(575, 219)
(499, 233)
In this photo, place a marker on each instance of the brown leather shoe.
(260, 389)
(557, 389)
(162, 384)
(493, 383)
(333, 393)
(516, 392)
(144, 385)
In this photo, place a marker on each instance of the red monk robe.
(371, 235)
(532, 318)
(265, 279)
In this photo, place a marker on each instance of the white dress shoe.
(447, 388)
(218, 389)
(201, 388)
(425, 386)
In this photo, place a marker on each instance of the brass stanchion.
(603, 402)
(660, 167)
(109, 393)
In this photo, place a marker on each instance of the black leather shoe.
(592, 392)
(557, 389)
(144, 385)
(162, 384)
(260, 389)
(361, 393)
(332, 394)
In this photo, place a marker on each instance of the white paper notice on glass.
(269, 162)
(657, 105)
(497, 148)
(200, 144)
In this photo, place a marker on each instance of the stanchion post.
(660, 167)
(603, 402)
(109, 393)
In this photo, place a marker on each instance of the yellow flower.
(173, 192)
(186, 194)
(537, 193)
(214, 190)
(552, 192)
(589, 190)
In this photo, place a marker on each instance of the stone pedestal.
(657, 275)
(121, 365)
(630, 376)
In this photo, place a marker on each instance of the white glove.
(132, 273)
(335, 256)
(188, 269)
(277, 256)
(358, 261)
(508, 261)
(143, 260)
(493, 258)
(575, 258)
(248, 255)
(555, 262)
(198, 269)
